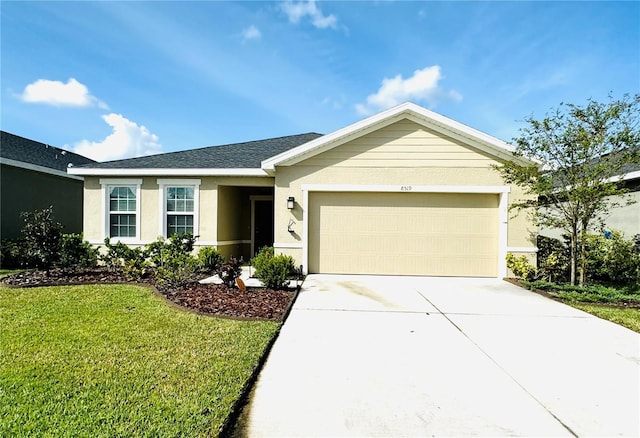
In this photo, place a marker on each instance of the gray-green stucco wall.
(28, 190)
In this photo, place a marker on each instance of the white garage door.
(441, 234)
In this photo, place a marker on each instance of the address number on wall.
(406, 188)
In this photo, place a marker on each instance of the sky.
(112, 80)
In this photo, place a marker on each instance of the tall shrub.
(42, 238)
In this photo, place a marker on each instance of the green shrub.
(178, 270)
(175, 265)
(209, 260)
(12, 254)
(178, 244)
(612, 259)
(131, 261)
(42, 238)
(274, 271)
(553, 259)
(265, 254)
(76, 253)
(228, 272)
(521, 267)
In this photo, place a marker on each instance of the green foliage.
(209, 260)
(612, 259)
(115, 360)
(521, 267)
(178, 244)
(264, 255)
(76, 253)
(132, 261)
(178, 270)
(595, 293)
(553, 259)
(12, 254)
(228, 272)
(42, 238)
(175, 265)
(274, 271)
(575, 152)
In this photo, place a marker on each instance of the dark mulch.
(211, 299)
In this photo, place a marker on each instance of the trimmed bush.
(520, 267)
(209, 260)
(274, 271)
(76, 253)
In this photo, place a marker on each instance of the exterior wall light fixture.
(291, 202)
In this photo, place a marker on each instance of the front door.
(262, 224)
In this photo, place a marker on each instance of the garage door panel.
(403, 233)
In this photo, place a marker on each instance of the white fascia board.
(168, 172)
(403, 188)
(625, 177)
(409, 110)
(36, 168)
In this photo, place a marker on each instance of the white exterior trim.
(105, 183)
(407, 188)
(503, 217)
(168, 172)
(407, 110)
(522, 249)
(36, 168)
(163, 183)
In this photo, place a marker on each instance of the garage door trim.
(503, 191)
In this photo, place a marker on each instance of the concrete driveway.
(428, 356)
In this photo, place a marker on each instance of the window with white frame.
(180, 206)
(122, 208)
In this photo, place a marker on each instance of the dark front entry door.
(263, 225)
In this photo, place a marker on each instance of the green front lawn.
(111, 360)
(629, 318)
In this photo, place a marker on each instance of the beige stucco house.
(406, 191)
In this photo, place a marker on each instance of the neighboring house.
(624, 217)
(33, 176)
(406, 191)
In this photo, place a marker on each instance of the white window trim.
(163, 183)
(502, 191)
(105, 183)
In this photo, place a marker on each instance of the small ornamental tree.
(42, 238)
(582, 154)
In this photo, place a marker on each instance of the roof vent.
(64, 152)
(70, 165)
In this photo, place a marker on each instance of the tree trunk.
(573, 261)
(583, 252)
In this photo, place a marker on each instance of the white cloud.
(127, 140)
(421, 87)
(297, 11)
(251, 33)
(57, 93)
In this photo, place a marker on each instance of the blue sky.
(119, 79)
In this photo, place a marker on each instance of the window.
(122, 205)
(180, 206)
(179, 210)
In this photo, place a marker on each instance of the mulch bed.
(210, 299)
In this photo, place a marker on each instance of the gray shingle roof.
(16, 148)
(246, 155)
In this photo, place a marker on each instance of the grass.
(629, 318)
(111, 360)
(5, 272)
(605, 302)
